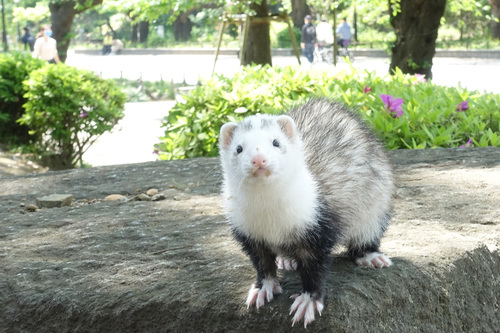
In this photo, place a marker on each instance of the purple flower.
(462, 106)
(83, 115)
(367, 89)
(468, 144)
(156, 152)
(393, 105)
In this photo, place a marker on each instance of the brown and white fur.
(295, 186)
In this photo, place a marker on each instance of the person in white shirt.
(324, 33)
(45, 47)
(116, 46)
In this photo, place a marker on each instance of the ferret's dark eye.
(276, 143)
(239, 149)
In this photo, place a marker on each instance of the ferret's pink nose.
(259, 161)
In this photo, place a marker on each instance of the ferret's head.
(260, 148)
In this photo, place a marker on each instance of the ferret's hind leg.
(286, 263)
(368, 255)
(374, 260)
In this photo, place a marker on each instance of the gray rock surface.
(172, 266)
(55, 200)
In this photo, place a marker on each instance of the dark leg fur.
(262, 257)
(311, 251)
(312, 274)
(355, 251)
(313, 258)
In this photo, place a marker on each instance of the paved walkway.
(472, 73)
(133, 139)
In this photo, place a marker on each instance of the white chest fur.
(273, 212)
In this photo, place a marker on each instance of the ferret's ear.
(288, 127)
(226, 134)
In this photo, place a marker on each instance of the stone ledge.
(358, 52)
(172, 266)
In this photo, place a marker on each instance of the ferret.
(296, 185)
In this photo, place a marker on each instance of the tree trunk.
(133, 37)
(182, 27)
(495, 26)
(258, 45)
(416, 26)
(299, 10)
(62, 14)
(143, 31)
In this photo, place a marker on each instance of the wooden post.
(335, 47)
(245, 37)
(294, 42)
(219, 42)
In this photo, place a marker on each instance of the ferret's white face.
(268, 191)
(260, 148)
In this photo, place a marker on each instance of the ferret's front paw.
(374, 259)
(286, 264)
(258, 296)
(304, 306)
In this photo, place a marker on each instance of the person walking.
(45, 47)
(344, 32)
(324, 33)
(308, 39)
(107, 41)
(28, 39)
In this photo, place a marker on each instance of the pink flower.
(393, 105)
(462, 106)
(420, 78)
(468, 144)
(83, 115)
(367, 89)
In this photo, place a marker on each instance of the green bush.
(69, 109)
(429, 116)
(283, 39)
(14, 69)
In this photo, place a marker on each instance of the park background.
(170, 48)
(171, 265)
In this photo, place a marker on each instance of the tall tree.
(416, 23)
(299, 10)
(495, 25)
(143, 31)
(62, 14)
(182, 26)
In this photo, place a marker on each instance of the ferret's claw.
(374, 259)
(252, 295)
(286, 263)
(259, 296)
(304, 307)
